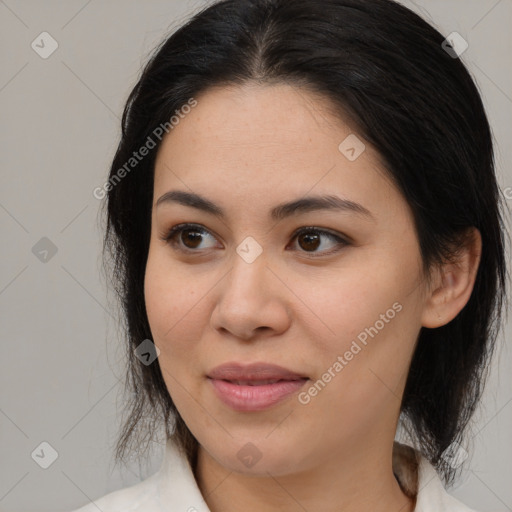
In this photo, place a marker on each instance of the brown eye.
(186, 237)
(191, 238)
(310, 240)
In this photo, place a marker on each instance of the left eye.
(309, 238)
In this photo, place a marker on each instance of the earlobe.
(453, 284)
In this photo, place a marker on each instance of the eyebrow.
(281, 211)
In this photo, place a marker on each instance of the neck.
(347, 482)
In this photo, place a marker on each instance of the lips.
(253, 374)
(254, 387)
(254, 382)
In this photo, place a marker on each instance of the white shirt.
(173, 487)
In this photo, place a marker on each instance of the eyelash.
(170, 235)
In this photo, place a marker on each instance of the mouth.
(253, 373)
(254, 387)
(258, 382)
(245, 396)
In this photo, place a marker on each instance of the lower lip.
(255, 398)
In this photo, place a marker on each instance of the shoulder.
(172, 488)
(432, 495)
(418, 478)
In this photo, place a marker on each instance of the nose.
(251, 301)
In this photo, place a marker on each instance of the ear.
(453, 283)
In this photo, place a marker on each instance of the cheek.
(172, 306)
(343, 303)
(368, 315)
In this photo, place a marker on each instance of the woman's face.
(243, 288)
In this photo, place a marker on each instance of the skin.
(248, 149)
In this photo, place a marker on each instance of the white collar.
(177, 486)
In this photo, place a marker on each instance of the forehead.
(261, 143)
(252, 115)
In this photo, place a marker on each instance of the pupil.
(197, 237)
(310, 238)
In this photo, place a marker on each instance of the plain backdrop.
(61, 359)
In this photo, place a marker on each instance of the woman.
(305, 231)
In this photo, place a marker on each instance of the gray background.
(61, 361)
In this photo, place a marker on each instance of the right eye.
(181, 234)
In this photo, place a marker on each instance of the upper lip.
(253, 372)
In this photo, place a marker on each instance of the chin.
(257, 457)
